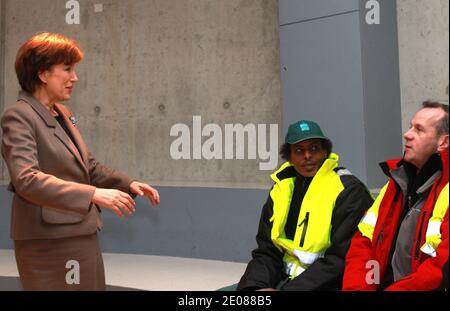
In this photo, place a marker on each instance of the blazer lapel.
(57, 129)
(82, 148)
(75, 133)
(65, 139)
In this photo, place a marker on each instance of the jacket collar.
(38, 107)
(395, 169)
(287, 170)
(401, 178)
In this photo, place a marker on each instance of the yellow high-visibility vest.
(312, 235)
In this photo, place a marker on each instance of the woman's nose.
(74, 77)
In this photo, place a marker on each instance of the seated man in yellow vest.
(309, 218)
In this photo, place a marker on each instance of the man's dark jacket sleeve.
(266, 268)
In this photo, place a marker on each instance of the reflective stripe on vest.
(367, 224)
(433, 235)
(314, 221)
(293, 269)
(307, 258)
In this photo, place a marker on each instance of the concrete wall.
(152, 64)
(208, 223)
(381, 89)
(343, 73)
(149, 65)
(321, 74)
(423, 48)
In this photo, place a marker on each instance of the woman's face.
(58, 81)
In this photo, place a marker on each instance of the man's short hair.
(285, 150)
(442, 126)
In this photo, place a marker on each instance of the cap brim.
(307, 138)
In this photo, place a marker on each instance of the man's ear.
(443, 142)
(43, 76)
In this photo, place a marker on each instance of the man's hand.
(142, 189)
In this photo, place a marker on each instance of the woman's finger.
(127, 197)
(156, 195)
(117, 211)
(128, 205)
(137, 188)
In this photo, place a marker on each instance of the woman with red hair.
(59, 187)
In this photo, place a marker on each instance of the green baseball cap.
(303, 130)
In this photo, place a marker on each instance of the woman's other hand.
(118, 201)
(142, 189)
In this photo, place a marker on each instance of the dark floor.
(13, 284)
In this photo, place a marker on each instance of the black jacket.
(265, 270)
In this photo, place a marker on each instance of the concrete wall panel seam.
(319, 17)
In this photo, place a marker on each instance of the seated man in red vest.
(309, 218)
(402, 242)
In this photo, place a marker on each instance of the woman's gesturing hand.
(142, 189)
(118, 201)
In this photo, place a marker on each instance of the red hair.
(40, 53)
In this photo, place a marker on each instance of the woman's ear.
(443, 142)
(43, 76)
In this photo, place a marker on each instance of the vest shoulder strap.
(342, 171)
(288, 172)
(347, 178)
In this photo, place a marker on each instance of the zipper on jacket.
(416, 254)
(305, 227)
(435, 194)
(380, 237)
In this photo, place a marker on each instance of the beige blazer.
(52, 181)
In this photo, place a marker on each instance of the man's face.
(307, 156)
(422, 140)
